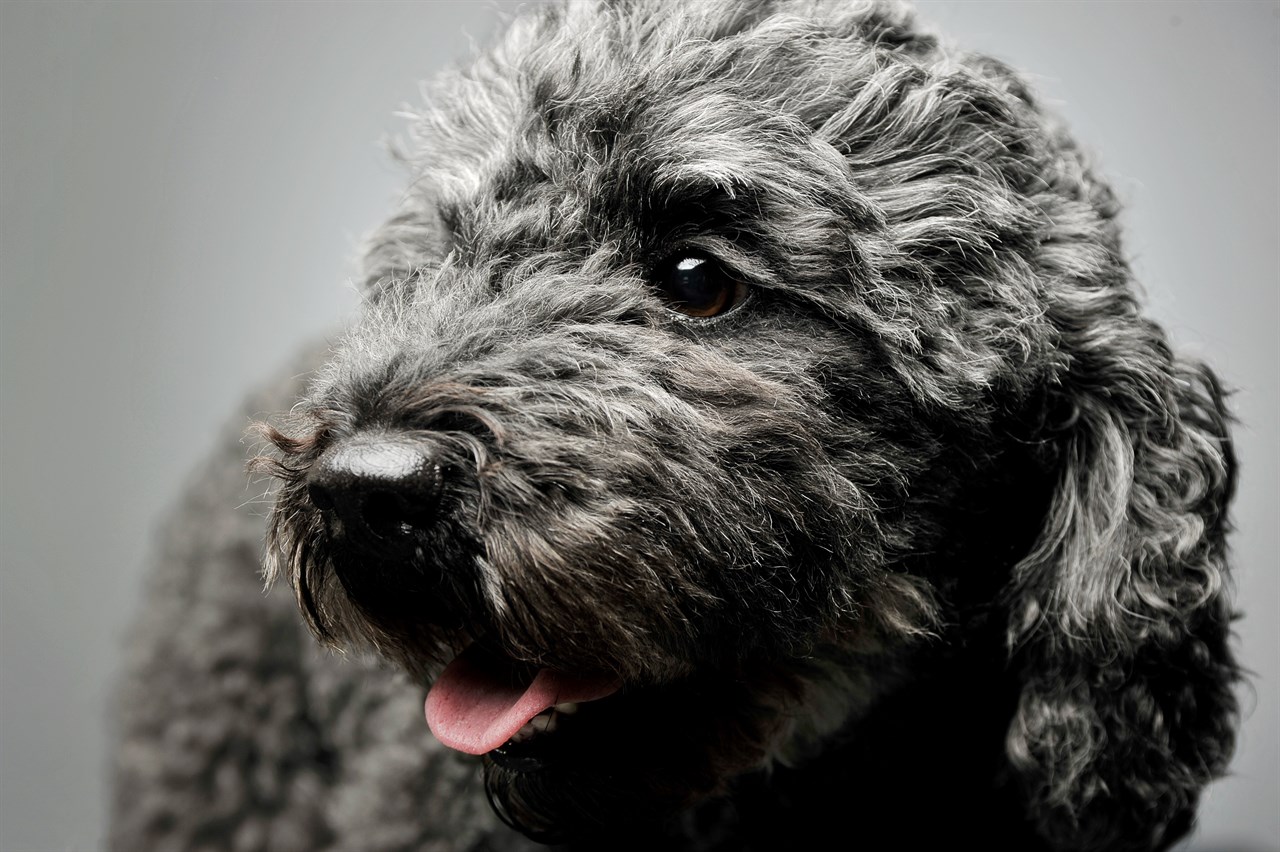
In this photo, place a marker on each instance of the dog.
(751, 434)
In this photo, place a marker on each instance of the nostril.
(389, 515)
(320, 497)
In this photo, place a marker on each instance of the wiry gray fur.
(923, 540)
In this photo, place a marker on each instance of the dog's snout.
(382, 490)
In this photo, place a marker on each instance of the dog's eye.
(698, 285)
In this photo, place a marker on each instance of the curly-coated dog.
(751, 433)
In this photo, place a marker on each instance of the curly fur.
(924, 540)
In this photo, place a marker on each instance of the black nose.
(380, 491)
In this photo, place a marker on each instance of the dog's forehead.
(657, 100)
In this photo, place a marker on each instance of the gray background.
(184, 187)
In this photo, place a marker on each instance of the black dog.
(751, 433)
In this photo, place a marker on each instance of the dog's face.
(708, 364)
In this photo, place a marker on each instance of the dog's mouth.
(485, 703)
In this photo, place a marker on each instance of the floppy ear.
(1119, 617)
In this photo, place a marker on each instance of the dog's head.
(722, 362)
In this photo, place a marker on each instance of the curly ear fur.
(1120, 615)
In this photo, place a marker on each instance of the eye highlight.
(697, 285)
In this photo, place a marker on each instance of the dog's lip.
(480, 700)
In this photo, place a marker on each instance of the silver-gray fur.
(921, 538)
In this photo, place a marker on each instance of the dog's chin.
(554, 797)
(634, 760)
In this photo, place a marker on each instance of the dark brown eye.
(698, 285)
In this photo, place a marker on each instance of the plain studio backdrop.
(184, 189)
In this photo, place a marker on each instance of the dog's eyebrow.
(706, 178)
(693, 199)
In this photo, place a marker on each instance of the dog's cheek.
(691, 563)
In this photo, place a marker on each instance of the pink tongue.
(474, 707)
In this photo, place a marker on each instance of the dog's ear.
(1119, 616)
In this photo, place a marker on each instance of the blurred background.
(184, 186)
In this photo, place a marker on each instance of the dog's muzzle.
(380, 495)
